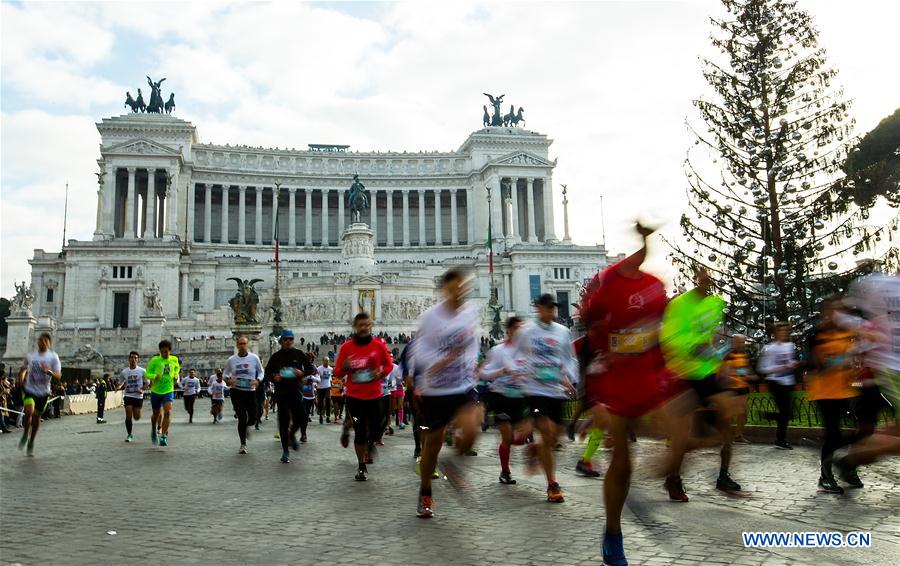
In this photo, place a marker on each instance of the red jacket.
(361, 381)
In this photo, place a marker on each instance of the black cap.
(546, 300)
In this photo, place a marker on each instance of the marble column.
(109, 199)
(421, 241)
(258, 226)
(325, 235)
(308, 215)
(508, 291)
(405, 218)
(529, 197)
(224, 237)
(471, 195)
(549, 232)
(514, 195)
(130, 212)
(242, 214)
(207, 218)
(274, 211)
(341, 224)
(150, 222)
(390, 217)
(373, 222)
(454, 221)
(496, 210)
(292, 217)
(191, 211)
(438, 229)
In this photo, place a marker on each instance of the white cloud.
(611, 83)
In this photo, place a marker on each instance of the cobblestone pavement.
(199, 502)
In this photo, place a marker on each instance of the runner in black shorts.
(505, 396)
(35, 378)
(446, 353)
(132, 380)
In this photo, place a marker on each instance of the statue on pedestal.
(244, 303)
(358, 198)
(152, 303)
(21, 303)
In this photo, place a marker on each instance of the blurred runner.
(132, 380)
(162, 371)
(778, 362)
(736, 375)
(285, 368)
(35, 378)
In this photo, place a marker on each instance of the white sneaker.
(243, 449)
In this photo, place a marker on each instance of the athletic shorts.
(506, 409)
(157, 400)
(218, 402)
(397, 393)
(549, 407)
(868, 403)
(439, 410)
(133, 402)
(631, 395)
(39, 401)
(705, 388)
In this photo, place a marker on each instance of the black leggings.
(366, 417)
(831, 411)
(189, 404)
(291, 417)
(244, 403)
(782, 395)
(323, 402)
(384, 416)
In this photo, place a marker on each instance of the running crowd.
(643, 361)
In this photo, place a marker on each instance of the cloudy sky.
(610, 82)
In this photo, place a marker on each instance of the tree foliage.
(767, 216)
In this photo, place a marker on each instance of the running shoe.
(129, 438)
(328, 420)
(277, 434)
(741, 440)
(321, 420)
(586, 469)
(848, 473)
(345, 439)
(243, 449)
(153, 437)
(164, 440)
(726, 484)
(783, 445)
(570, 431)
(23, 441)
(531, 459)
(401, 426)
(285, 458)
(256, 427)
(295, 444)
(360, 475)
(215, 421)
(676, 489)
(379, 442)
(829, 485)
(554, 493)
(506, 478)
(471, 452)
(29, 451)
(303, 438)
(613, 550)
(220, 420)
(425, 510)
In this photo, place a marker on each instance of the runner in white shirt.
(551, 370)
(323, 390)
(217, 388)
(778, 361)
(191, 387)
(243, 372)
(133, 382)
(35, 378)
(446, 351)
(505, 373)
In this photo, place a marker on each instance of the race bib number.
(363, 376)
(287, 373)
(634, 342)
(547, 374)
(242, 382)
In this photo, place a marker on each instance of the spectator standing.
(100, 392)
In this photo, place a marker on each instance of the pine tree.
(771, 217)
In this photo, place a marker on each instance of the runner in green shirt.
(690, 325)
(162, 371)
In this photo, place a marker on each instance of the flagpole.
(65, 217)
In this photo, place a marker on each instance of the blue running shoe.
(164, 440)
(285, 458)
(613, 551)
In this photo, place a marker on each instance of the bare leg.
(618, 475)
(549, 435)
(167, 417)
(467, 425)
(432, 441)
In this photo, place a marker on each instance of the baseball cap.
(287, 333)
(546, 300)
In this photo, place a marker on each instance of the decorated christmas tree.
(772, 215)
